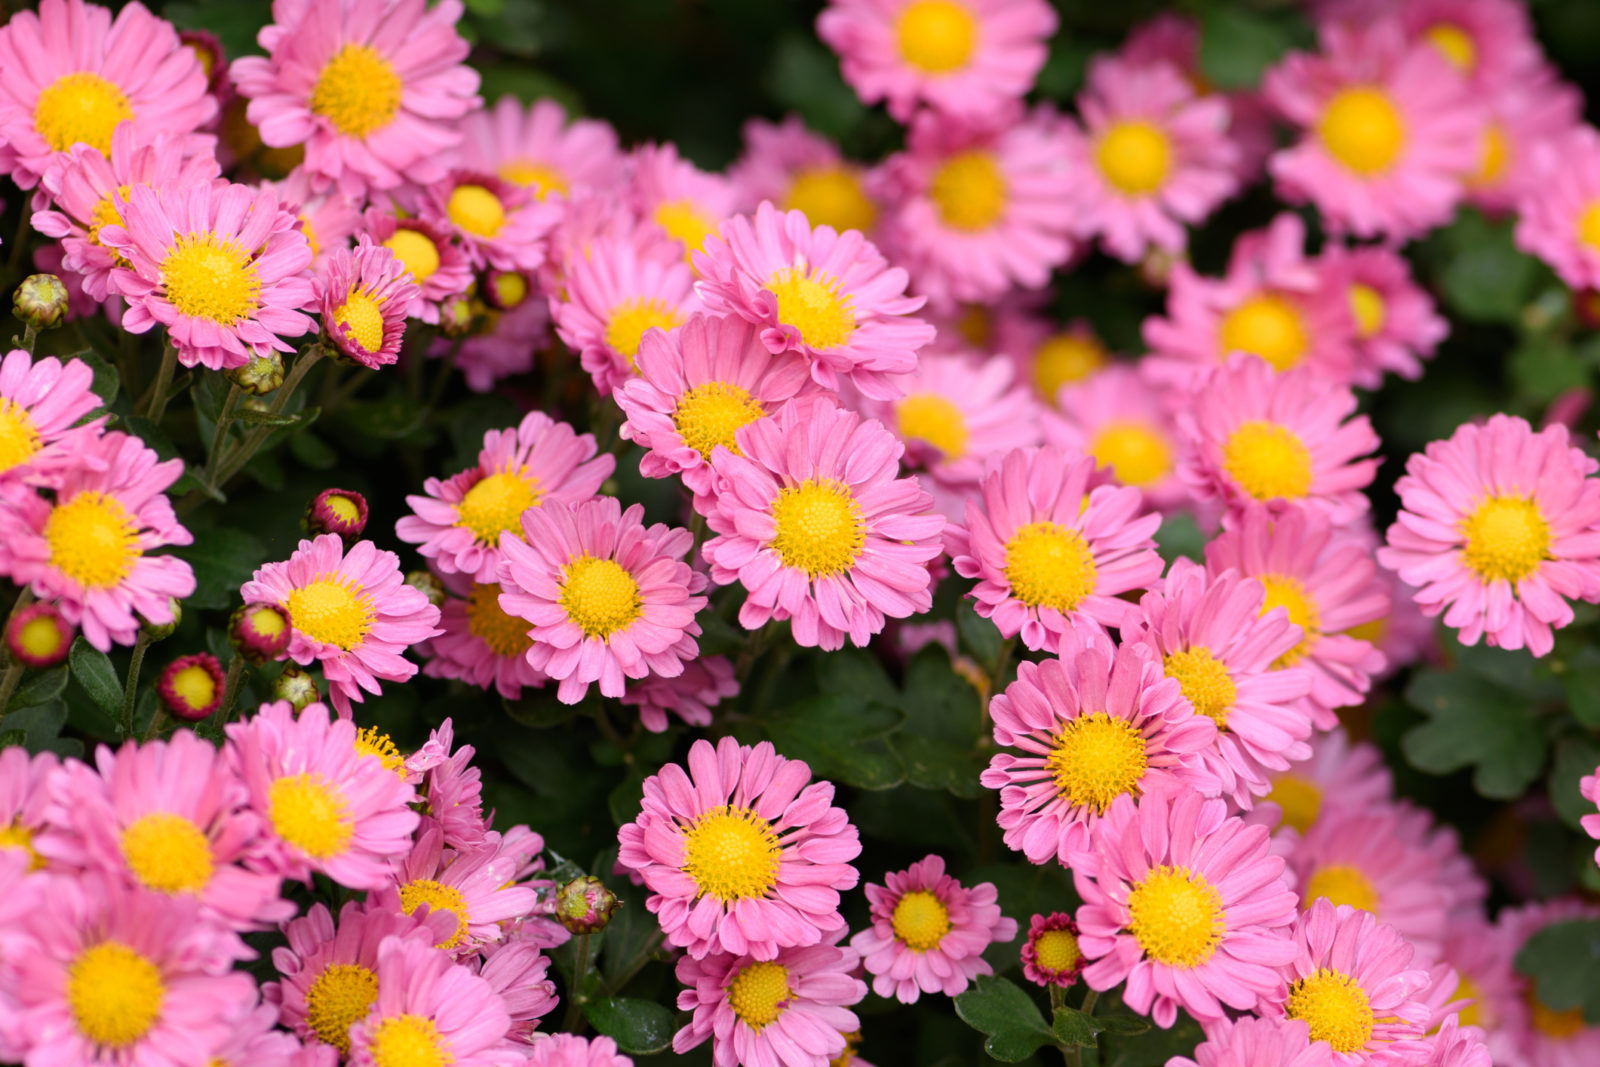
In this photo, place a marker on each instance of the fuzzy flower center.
(211, 277)
(1135, 157)
(712, 413)
(505, 634)
(732, 854)
(476, 210)
(416, 252)
(811, 303)
(1065, 358)
(600, 596)
(93, 540)
(1269, 326)
(1176, 916)
(758, 993)
(540, 179)
(14, 835)
(310, 814)
(167, 853)
(1135, 452)
(936, 36)
(80, 108)
(1268, 460)
(114, 994)
(360, 317)
(921, 920)
(1367, 305)
(1299, 799)
(1340, 883)
(1050, 566)
(371, 741)
(684, 221)
(1056, 950)
(969, 191)
(1291, 595)
(1493, 157)
(1507, 538)
(933, 419)
(831, 196)
(629, 320)
(819, 527)
(439, 897)
(1205, 682)
(19, 438)
(358, 91)
(495, 503)
(409, 1041)
(1455, 44)
(332, 610)
(105, 213)
(339, 998)
(1095, 759)
(1335, 1007)
(1363, 130)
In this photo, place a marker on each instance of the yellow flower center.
(710, 414)
(476, 210)
(1268, 461)
(195, 686)
(1135, 157)
(920, 920)
(1269, 326)
(540, 179)
(732, 854)
(1299, 798)
(409, 1041)
(1455, 44)
(1064, 358)
(1049, 566)
(1467, 989)
(361, 315)
(212, 278)
(969, 191)
(340, 997)
(1096, 759)
(845, 1058)
(1367, 305)
(1335, 1007)
(758, 993)
(310, 814)
(80, 108)
(1362, 129)
(1205, 682)
(1340, 883)
(831, 196)
(93, 540)
(1557, 1024)
(343, 509)
(416, 252)
(1507, 538)
(372, 741)
(600, 596)
(630, 319)
(505, 634)
(814, 306)
(510, 290)
(685, 222)
(1176, 916)
(1136, 453)
(935, 420)
(1589, 225)
(1291, 595)
(439, 897)
(358, 91)
(936, 36)
(167, 853)
(114, 994)
(42, 638)
(19, 438)
(334, 610)
(1493, 157)
(495, 503)
(1056, 950)
(105, 213)
(820, 528)
(268, 622)
(976, 325)
(16, 836)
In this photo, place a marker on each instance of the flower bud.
(456, 316)
(1051, 955)
(584, 905)
(505, 289)
(41, 301)
(260, 631)
(337, 511)
(260, 376)
(429, 583)
(296, 686)
(38, 637)
(192, 687)
(160, 631)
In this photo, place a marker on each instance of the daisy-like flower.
(437, 264)
(1532, 1033)
(499, 224)
(1338, 776)
(802, 171)
(1152, 157)
(1186, 906)
(968, 59)
(430, 1009)
(1048, 550)
(76, 75)
(1120, 417)
(1490, 42)
(1495, 532)
(327, 217)
(1252, 1042)
(790, 1010)
(742, 854)
(353, 613)
(1388, 129)
(1529, 119)
(538, 149)
(929, 931)
(1097, 723)
(363, 298)
(1396, 326)
(704, 683)
(1558, 216)
(481, 644)
(676, 200)
(41, 403)
(329, 807)
(1050, 955)
(476, 886)
(24, 802)
(1458, 1045)
(569, 1050)
(697, 386)
(504, 347)
(221, 266)
(815, 522)
(370, 90)
(516, 970)
(1589, 788)
(90, 549)
(1481, 954)
(453, 789)
(1049, 356)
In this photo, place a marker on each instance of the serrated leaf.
(106, 379)
(1563, 960)
(639, 1027)
(1575, 757)
(39, 725)
(94, 672)
(841, 738)
(1474, 724)
(856, 674)
(1008, 1015)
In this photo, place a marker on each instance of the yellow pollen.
(342, 507)
(1371, 631)
(115, 994)
(831, 196)
(195, 686)
(80, 108)
(93, 540)
(630, 319)
(1361, 129)
(1335, 1007)
(1455, 44)
(310, 814)
(505, 634)
(477, 210)
(409, 1041)
(1589, 225)
(1205, 682)
(495, 503)
(920, 920)
(268, 622)
(1289, 594)
(934, 419)
(1466, 989)
(1266, 325)
(1507, 538)
(540, 179)
(1299, 798)
(310, 234)
(1268, 461)
(936, 36)
(845, 1058)
(19, 438)
(1176, 916)
(1095, 759)
(358, 91)
(600, 596)
(710, 414)
(1340, 883)
(212, 278)
(361, 315)
(759, 993)
(167, 853)
(1135, 157)
(1366, 304)
(1050, 566)
(15, 835)
(1056, 950)
(332, 609)
(969, 191)
(1065, 358)
(372, 741)
(813, 305)
(416, 251)
(105, 213)
(684, 221)
(340, 997)
(510, 290)
(820, 528)
(732, 854)
(1135, 451)
(1493, 157)
(439, 897)
(1557, 1024)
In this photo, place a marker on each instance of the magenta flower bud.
(1051, 955)
(584, 905)
(505, 289)
(456, 316)
(262, 375)
(338, 511)
(296, 686)
(160, 631)
(192, 687)
(260, 632)
(39, 637)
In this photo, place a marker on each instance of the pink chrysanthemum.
(740, 853)
(75, 75)
(504, 347)
(24, 802)
(1559, 214)
(1388, 129)
(499, 224)
(453, 788)
(1048, 355)
(704, 683)
(480, 643)
(1152, 156)
(370, 90)
(1121, 418)
(221, 266)
(814, 521)
(516, 971)
(1097, 723)
(1589, 788)
(327, 217)
(1458, 1045)
(1048, 548)
(1490, 42)
(802, 171)
(352, 613)
(1481, 955)
(89, 550)
(1496, 526)
(1050, 955)
(1339, 776)
(430, 1009)
(476, 886)
(928, 932)
(569, 1050)
(1518, 150)
(967, 59)
(437, 264)
(537, 149)
(1396, 327)
(675, 199)
(363, 298)
(41, 403)
(1252, 1042)
(1186, 905)
(1531, 1033)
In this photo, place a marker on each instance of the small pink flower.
(704, 683)
(1490, 42)
(538, 149)
(802, 171)
(364, 296)
(1459, 1045)
(433, 1010)
(25, 801)
(1252, 1042)
(1589, 787)
(1050, 955)
(514, 336)
(569, 1050)
(481, 644)
(1396, 326)
(476, 886)
(1518, 154)
(1558, 215)
(438, 265)
(499, 224)
(42, 404)
(453, 789)
(1122, 419)
(1339, 776)
(677, 201)
(516, 971)
(327, 217)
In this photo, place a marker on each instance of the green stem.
(1074, 1054)
(130, 689)
(157, 402)
(1088, 1001)
(19, 242)
(575, 995)
(224, 417)
(158, 722)
(29, 333)
(230, 687)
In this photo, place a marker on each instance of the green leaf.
(1563, 960)
(1151, 1049)
(1543, 368)
(804, 77)
(1483, 276)
(93, 670)
(639, 1027)
(842, 738)
(313, 451)
(40, 688)
(1581, 680)
(978, 635)
(1008, 1015)
(269, 418)
(1074, 1027)
(223, 560)
(1575, 757)
(944, 720)
(1180, 536)
(1237, 46)
(539, 709)
(39, 726)
(1474, 724)
(106, 380)
(1123, 1024)
(856, 674)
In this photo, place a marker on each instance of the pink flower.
(327, 217)
(370, 89)
(1097, 723)
(476, 886)
(568, 1050)
(481, 644)
(24, 802)
(1531, 1033)
(1049, 551)
(1050, 955)
(1490, 42)
(813, 520)
(42, 403)
(432, 1010)
(453, 788)
(740, 854)
(516, 971)
(1118, 416)
(704, 683)
(1527, 119)
(802, 171)
(677, 201)
(929, 932)
(1186, 906)
(500, 224)
(538, 149)
(967, 59)
(437, 264)
(1589, 787)
(1396, 327)
(352, 612)
(1458, 1045)
(1251, 1042)
(364, 296)
(1339, 776)
(75, 75)
(514, 336)
(221, 266)
(1558, 214)
(1481, 955)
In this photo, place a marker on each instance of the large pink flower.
(499, 224)
(477, 886)
(481, 644)
(430, 1009)
(803, 171)
(677, 201)
(1559, 214)
(538, 149)
(42, 407)
(1251, 1042)
(704, 683)
(1396, 326)
(1338, 776)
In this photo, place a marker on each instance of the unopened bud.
(159, 631)
(337, 511)
(260, 376)
(192, 687)
(430, 585)
(41, 301)
(505, 289)
(38, 636)
(456, 316)
(585, 905)
(297, 687)
(260, 631)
